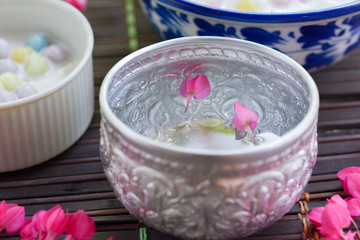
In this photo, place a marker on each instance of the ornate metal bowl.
(314, 39)
(207, 194)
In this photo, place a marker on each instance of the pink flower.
(353, 204)
(53, 223)
(331, 219)
(110, 238)
(315, 216)
(197, 87)
(245, 119)
(79, 4)
(80, 226)
(12, 217)
(27, 231)
(350, 179)
(337, 200)
(334, 218)
(38, 222)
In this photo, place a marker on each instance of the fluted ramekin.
(39, 127)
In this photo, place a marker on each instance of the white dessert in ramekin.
(38, 127)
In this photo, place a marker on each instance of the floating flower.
(79, 226)
(245, 119)
(12, 217)
(79, 4)
(197, 87)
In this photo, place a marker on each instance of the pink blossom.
(79, 4)
(54, 222)
(334, 218)
(27, 231)
(353, 204)
(80, 226)
(245, 119)
(110, 238)
(350, 179)
(338, 200)
(38, 222)
(315, 216)
(197, 87)
(12, 217)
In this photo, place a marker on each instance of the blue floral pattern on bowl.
(314, 45)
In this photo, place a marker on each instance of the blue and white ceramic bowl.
(314, 39)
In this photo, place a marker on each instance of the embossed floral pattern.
(196, 208)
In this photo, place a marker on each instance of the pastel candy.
(55, 53)
(10, 81)
(247, 5)
(37, 42)
(36, 65)
(25, 90)
(7, 96)
(7, 65)
(19, 54)
(282, 3)
(4, 48)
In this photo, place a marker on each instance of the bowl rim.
(66, 7)
(289, 137)
(223, 14)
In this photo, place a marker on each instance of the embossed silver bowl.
(207, 194)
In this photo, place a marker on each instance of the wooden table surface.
(75, 178)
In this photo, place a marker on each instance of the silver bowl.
(207, 194)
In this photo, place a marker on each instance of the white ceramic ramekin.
(39, 127)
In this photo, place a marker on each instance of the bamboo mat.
(75, 179)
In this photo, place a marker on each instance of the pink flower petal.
(198, 87)
(201, 87)
(244, 116)
(344, 172)
(184, 87)
(338, 200)
(353, 204)
(3, 209)
(80, 226)
(315, 216)
(190, 87)
(79, 4)
(39, 221)
(14, 219)
(56, 220)
(352, 182)
(334, 218)
(110, 238)
(27, 230)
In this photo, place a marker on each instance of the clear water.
(216, 137)
(147, 99)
